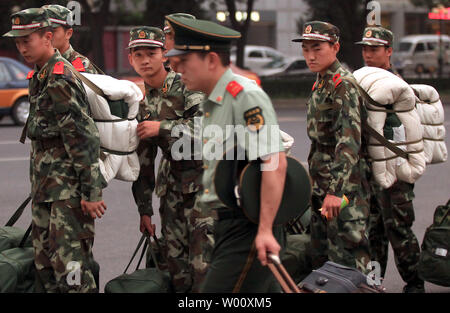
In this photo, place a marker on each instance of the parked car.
(256, 57)
(286, 67)
(418, 54)
(14, 90)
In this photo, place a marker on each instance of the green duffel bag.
(434, 263)
(296, 256)
(10, 236)
(17, 271)
(148, 280)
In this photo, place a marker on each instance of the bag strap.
(18, 212)
(141, 241)
(90, 84)
(372, 132)
(25, 236)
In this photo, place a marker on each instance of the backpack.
(434, 263)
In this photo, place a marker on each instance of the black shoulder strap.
(18, 212)
(370, 130)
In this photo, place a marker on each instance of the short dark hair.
(42, 31)
(224, 56)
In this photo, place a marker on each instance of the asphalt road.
(117, 233)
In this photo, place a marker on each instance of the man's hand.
(146, 225)
(331, 206)
(265, 242)
(148, 129)
(94, 209)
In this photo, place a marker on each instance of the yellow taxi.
(14, 90)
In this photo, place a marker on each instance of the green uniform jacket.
(59, 112)
(336, 160)
(173, 105)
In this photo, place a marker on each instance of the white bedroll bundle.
(431, 114)
(118, 136)
(386, 88)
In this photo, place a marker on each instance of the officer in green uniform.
(336, 163)
(232, 100)
(168, 106)
(391, 210)
(66, 182)
(170, 37)
(62, 32)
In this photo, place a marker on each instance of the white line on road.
(12, 142)
(14, 159)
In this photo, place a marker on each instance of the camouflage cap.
(167, 28)
(27, 21)
(321, 31)
(377, 36)
(146, 36)
(199, 35)
(57, 14)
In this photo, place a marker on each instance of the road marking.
(291, 119)
(14, 159)
(12, 142)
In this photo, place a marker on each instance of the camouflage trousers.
(391, 218)
(343, 239)
(188, 234)
(62, 239)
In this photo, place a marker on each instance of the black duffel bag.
(336, 278)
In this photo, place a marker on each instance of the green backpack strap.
(141, 241)
(18, 212)
(441, 213)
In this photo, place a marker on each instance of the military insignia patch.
(141, 34)
(254, 119)
(369, 33)
(321, 84)
(16, 21)
(308, 29)
(43, 74)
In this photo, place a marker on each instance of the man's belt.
(46, 144)
(225, 213)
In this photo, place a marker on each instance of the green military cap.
(166, 22)
(199, 35)
(321, 31)
(377, 36)
(146, 36)
(57, 14)
(27, 21)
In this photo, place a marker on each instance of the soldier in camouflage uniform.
(170, 38)
(65, 176)
(62, 32)
(168, 104)
(336, 165)
(391, 210)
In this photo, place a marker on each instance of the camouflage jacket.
(59, 113)
(172, 105)
(336, 161)
(80, 62)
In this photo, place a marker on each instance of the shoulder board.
(78, 65)
(30, 74)
(234, 88)
(59, 68)
(337, 80)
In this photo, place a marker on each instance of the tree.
(241, 27)
(430, 3)
(349, 16)
(157, 10)
(97, 12)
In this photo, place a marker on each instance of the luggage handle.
(144, 238)
(284, 279)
